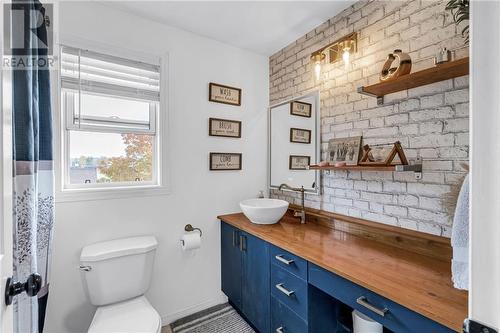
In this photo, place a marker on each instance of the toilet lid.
(135, 315)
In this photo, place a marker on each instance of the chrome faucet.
(302, 212)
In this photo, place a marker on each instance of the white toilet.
(117, 273)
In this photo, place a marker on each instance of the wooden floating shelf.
(445, 71)
(354, 167)
(416, 168)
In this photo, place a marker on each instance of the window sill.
(92, 194)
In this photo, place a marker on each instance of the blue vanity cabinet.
(284, 320)
(245, 275)
(231, 263)
(277, 291)
(289, 262)
(255, 281)
(391, 315)
(289, 292)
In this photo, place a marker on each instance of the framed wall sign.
(298, 162)
(225, 161)
(300, 135)
(300, 109)
(224, 94)
(224, 127)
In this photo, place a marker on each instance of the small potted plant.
(460, 12)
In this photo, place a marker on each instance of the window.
(110, 106)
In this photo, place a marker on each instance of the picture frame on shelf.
(345, 150)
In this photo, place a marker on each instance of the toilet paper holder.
(189, 228)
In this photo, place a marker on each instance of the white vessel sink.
(264, 211)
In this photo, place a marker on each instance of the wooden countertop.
(420, 283)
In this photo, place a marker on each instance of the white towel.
(460, 239)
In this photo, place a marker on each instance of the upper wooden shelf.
(437, 73)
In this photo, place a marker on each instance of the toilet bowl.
(116, 275)
(135, 315)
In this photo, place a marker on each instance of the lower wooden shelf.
(354, 167)
(416, 168)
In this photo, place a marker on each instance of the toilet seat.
(133, 316)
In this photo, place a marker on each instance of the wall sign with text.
(301, 109)
(224, 127)
(298, 162)
(224, 94)
(225, 161)
(300, 135)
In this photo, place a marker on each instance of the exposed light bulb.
(317, 70)
(316, 59)
(345, 56)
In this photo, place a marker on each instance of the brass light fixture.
(317, 58)
(341, 49)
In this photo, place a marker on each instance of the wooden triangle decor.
(397, 149)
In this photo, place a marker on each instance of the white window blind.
(107, 93)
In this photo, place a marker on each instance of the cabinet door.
(256, 278)
(231, 261)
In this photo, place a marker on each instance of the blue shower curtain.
(33, 169)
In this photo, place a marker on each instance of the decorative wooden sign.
(224, 94)
(298, 162)
(224, 127)
(300, 135)
(397, 149)
(301, 109)
(225, 161)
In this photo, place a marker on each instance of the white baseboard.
(171, 317)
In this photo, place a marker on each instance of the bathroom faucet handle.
(298, 212)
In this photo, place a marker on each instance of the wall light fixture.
(340, 49)
(317, 58)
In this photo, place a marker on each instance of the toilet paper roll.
(191, 241)
(364, 324)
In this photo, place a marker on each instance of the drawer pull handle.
(235, 241)
(283, 260)
(280, 287)
(280, 330)
(364, 302)
(243, 243)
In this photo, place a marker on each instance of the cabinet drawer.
(290, 290)
(396, 317)
(284, 320)
(289, 262)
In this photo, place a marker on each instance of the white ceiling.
(260, 26)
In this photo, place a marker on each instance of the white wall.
(484, 293)
(182, 282)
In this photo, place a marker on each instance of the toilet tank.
(117, 270)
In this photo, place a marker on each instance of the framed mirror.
(294, 143)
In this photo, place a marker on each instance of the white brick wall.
(430, 121)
